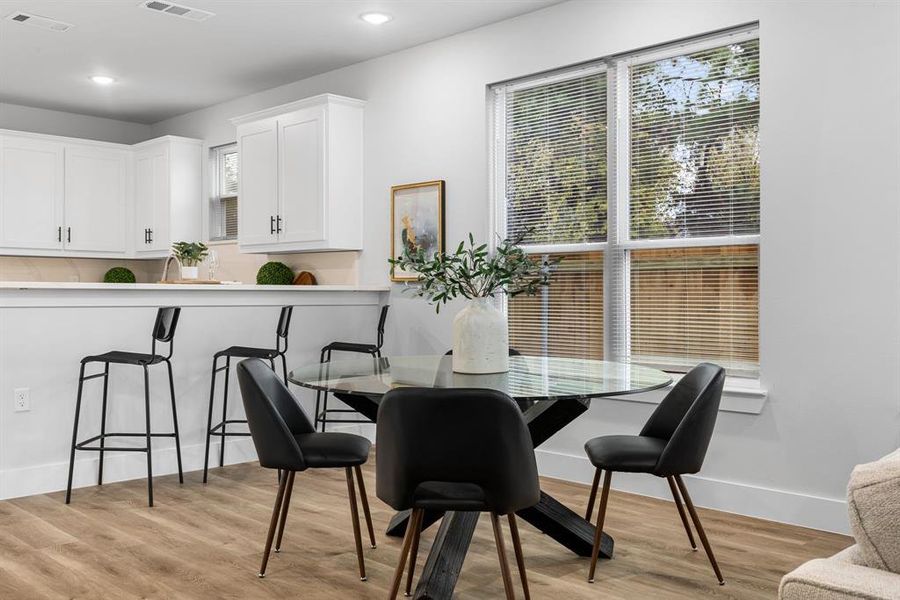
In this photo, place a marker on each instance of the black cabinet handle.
(278, 222)
(150, 236)
(59, 233)
(271, 225)
(68, 235)
(145, 235)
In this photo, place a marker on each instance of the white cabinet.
(31, 194)
(167, 194)
(81, 198)
(301, 172)
(96, 200)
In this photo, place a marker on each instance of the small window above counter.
(301, 170)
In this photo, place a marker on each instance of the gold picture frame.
(418, 210)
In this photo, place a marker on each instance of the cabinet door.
(96, 199)
(151, 199)
(301, 152)
(31, 193)
(258, 183)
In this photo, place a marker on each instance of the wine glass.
(212, 263)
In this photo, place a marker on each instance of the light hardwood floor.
(205, 542)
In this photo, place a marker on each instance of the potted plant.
(480, 330)
(189, 255)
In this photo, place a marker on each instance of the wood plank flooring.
(205, 542)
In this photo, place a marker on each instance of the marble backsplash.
(330, 268)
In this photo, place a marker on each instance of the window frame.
(216, 167)
(618, 245)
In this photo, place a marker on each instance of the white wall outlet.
(22, 399)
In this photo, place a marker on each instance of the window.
(642, 171)
(223, 213)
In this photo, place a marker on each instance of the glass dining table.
(551, 391)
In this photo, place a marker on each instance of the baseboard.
(124, 466)
(826, 514)
(118, 466)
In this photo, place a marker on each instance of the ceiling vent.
(177, 10)
(39, 21)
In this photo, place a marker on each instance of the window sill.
(221, 242)
(741, 395)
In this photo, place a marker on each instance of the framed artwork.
(417, 221)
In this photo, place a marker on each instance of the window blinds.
(694, 151)
(223, 209)
(555, 160)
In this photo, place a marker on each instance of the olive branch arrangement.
(473, 272)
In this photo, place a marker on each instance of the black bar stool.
(322, 397)
(164, 332)
(280, 349)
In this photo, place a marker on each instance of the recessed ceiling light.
(102, 79)
(375, 18)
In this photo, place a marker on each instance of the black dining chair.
(286, 440)
(163, 333)
(672, 443)
(455, 450)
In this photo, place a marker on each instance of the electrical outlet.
(23, 399)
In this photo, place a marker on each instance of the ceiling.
(166, 66)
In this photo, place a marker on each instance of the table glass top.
(529, 377)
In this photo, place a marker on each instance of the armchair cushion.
(841, 577)
(873, 498)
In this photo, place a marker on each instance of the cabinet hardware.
(68, 235)
(150, 236)
(271, 225)
(145, 235)
(278, 224)
(59, 233)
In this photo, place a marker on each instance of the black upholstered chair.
(286, 440)
(374, 350)
(672, 443)
(455, 450)
(269, 354)
(164, 333)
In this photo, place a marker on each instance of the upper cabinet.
(301, 180)
(167, 194)
(80, 198)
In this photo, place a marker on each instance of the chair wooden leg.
(593, 497)
(285, 505)
(414, 550)
(520, 557)
(354, 513)
(696, 519)
(404, 553)
(501, 554)
(601, 517)
(677, 497)
(276, 510)
(364, 497)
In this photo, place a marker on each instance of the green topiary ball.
(119, 275)
(274, 273)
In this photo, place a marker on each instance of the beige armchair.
(869, 570)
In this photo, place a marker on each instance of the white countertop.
(242, 287)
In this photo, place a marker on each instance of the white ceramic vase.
(190, 272)
(480, 339)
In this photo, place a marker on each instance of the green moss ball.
(274, 273)
(119, 275)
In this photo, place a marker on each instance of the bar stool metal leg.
(103, 424)
(149, 449)
(212, 396)
(175, 422)
(284, 368)
(224, 412)
(75, 433)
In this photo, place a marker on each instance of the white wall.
(829, 322)
(54, 122)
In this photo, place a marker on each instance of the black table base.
(549, 516)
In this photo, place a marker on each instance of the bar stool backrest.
(284, 324)
(164, 327)
(381, 321)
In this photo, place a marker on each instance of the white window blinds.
(555, 160)
(223, 223)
